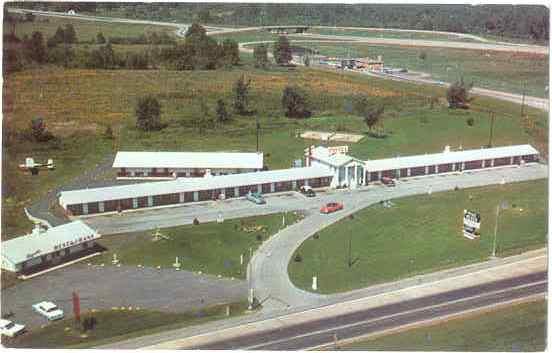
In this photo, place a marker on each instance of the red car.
(388, 181)
(331, 207)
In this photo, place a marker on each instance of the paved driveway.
(106, 287)
(268, 269)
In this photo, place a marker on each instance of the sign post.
(76, 306)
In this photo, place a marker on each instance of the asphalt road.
(324, 331)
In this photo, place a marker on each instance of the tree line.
(196, 52)
(516, 21)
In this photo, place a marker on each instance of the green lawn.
(213, 248)
(520, 328)
(509, 72)
(422, 234)
(86, 30)
(389, 34)
(116, 325)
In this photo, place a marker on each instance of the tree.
(148, 114)
(231, 51)
(38, 130)
(100, 39)
(195, 30)
(282, 51)
(59, 36)
(294, 101)
(372, 116)
(306, 61)
(260, 53)
(70, 35)
(108, 133)
(36, 48)
(241, 95)
(457, 95)
(422, 56)
(222, 113)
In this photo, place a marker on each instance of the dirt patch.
(68, 128)
(331, 136)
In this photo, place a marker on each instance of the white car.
(10, 329)
(48, 310)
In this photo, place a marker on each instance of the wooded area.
(523, 21)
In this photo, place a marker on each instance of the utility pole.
(491, 129)
(522, 102)
(350, 249)
(495, 230)
(258, 126)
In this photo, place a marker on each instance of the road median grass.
(421, 234)
(118, 324)
(212, 248)
(519, 328)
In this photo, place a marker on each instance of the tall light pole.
(501, 206)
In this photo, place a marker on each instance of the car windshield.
(52, 309)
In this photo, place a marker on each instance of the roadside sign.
(472, 224)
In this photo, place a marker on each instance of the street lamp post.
(501, 206)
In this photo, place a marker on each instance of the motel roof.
(189, 185)
(448, 157)
(323, 154)
(37, 244)
(205, 160)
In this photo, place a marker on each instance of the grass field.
(78, 105)
(427, 238)
(86, 30)
(509, 72)
(213, 248)
(520, 328)
(115, 325)
(389, 34)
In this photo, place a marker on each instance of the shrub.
(298, 258)
(196, 222)
(470, 121)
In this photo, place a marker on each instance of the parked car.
(331, 207)
(388, 181)
(48, 310)
(255, 197)
(10, 329)
(307, 191)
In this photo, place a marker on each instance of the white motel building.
(170, 165)
(45, 248)
(325, 167)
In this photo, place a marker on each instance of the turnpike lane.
(317, 332)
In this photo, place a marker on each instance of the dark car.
(307, 191)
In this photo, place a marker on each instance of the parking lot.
(110, 286)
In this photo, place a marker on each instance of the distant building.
(366, 64)
(46, 248)
(170, 165)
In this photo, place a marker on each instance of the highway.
(324, 331)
